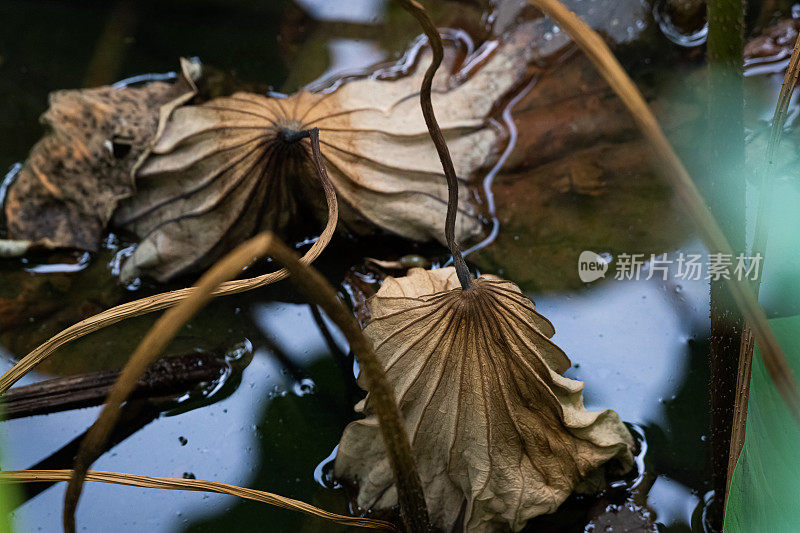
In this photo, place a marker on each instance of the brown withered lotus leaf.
(499, 434)
(69, 187)
(223, 170)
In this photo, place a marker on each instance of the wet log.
(167, 377)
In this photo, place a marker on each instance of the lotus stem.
(316, 288)
(435, 40)
(195, 485)
(725, 188)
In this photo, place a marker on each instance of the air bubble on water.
(303, 387)
(675, 34)
(239, 351)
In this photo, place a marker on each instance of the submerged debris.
(68, 189)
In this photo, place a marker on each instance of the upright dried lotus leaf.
(498, 433)
(69, 187)
(223, 170)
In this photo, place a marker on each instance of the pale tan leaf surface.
(222, 171)
(76, 174)
(499, 434)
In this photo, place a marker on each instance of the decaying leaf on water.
(499, 434)
(69, 187)
(228, 168)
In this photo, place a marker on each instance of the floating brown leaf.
(499, 434)
(69, 187)
(231, 167)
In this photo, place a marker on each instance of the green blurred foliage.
(764, 491)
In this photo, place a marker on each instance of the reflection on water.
(223, 441)
(631, 342)
(628, 339)
(348, 56)
(672, 502)
(363, 11)
(679, 36)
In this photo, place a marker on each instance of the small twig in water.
(171, 376)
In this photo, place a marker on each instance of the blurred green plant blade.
(9, 499)
(765, 491)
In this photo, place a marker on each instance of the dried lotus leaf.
(498, 433)
(76, 174)
(228, 168)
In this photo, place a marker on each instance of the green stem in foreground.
(435, 40)
(759, 247)
(726, 191)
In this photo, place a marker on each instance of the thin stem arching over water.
(194, 485)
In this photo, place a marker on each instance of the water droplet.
(675, 34)
(303, 387)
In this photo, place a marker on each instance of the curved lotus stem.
(168, 299)
(196, 485)
(676, 175)
(435, 41)
(317, 289)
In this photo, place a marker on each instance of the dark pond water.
(640, 345)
